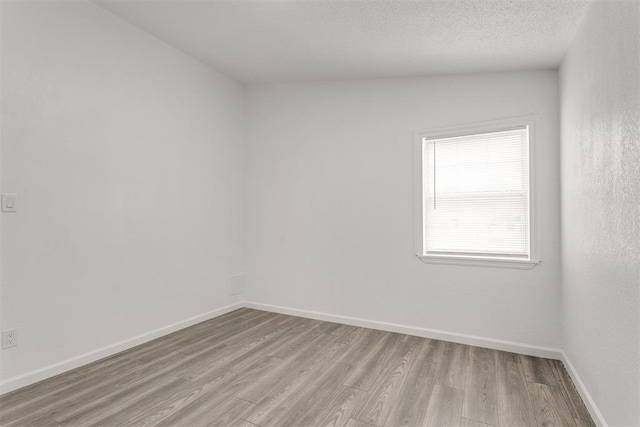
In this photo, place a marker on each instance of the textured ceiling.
(274, 41)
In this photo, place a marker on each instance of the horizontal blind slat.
(476, 193)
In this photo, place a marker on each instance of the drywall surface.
(330, 204)
(285, 41)
(126, 156)
(600, 89)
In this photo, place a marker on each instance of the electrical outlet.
(9, 338)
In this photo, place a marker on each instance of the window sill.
(479, 262)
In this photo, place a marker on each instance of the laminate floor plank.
(243, 311)
(285, 392)
(127, 373)
(242, 423)
(309, 403)
(149, 408)
(114, 364)
(95, 387)
(539, 370)
(207, 360)
(215, 388)
(209, 412)
(224, 327)
(385, 392)
(236, 316)
(514, 404)
(445, 407)
(481, 388)
(414, 395)
(351, 336)
(347, 331)
(292, 373)
(338, 411)
(357, 423)
(272, 321)
(466, 422)
(228, 356)
(375, 363)
(183, 339)
(245, 332)
(179, 407)
(94, 411)
(549, 405)
(454, 366)
(247, 378)
(328, 328)
(24, 402)
(571, 396)
(297, 342)
(87, 388)
(252, 368)
(279, 340)
(582, 423)
(208, 391)
(36, 421)
(212, 326)
(287, 385)
(363, 346)
(506, 356)
(434, 350)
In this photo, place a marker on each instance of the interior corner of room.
(146, 190)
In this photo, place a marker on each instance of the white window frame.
(534, 223)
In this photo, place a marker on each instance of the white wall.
(330, 204)
(127, 159)
(600, 81)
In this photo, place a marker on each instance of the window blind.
(476, 194)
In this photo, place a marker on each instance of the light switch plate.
(9, 202)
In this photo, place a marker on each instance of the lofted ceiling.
(302, 40)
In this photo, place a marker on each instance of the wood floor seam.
(252, 368)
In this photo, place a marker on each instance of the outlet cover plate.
(9, 338)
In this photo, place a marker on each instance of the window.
(475, 195)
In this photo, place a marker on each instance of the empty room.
(314, 213)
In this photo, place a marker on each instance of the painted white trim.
(514, 347)
(23, 380)
(418, 197)
(535, 208)
(518, 264)
(584, 393)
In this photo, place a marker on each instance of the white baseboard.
(75, 362)
(514, 347)
(584, 393)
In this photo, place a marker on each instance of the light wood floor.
(253, 368)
